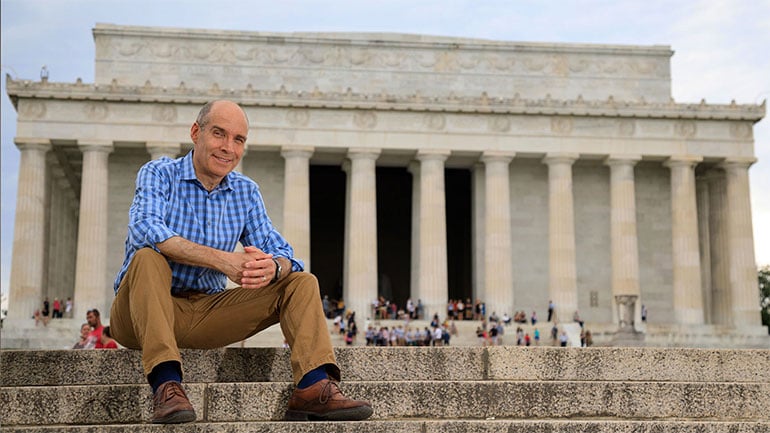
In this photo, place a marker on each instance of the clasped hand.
(253, 268)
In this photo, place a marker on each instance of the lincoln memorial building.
(411, 166)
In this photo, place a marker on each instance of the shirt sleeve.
(147, 226)
(260, 232)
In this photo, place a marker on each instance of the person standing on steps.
(186, 218)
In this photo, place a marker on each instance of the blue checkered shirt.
(170, 201)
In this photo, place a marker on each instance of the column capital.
(95, 145)
(560, 158)
(364, 153)
(28, 143)
(737, 163)
(622, 159)
(497, 156)
(432, 155)
(682, 160)
(297, 151)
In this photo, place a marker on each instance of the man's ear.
(194, 131)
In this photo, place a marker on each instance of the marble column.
(561, 235)
(29, 240)
(57, 245)
(434, 288)
(743, 268)
(704, 244)
(498, 255)
(414, 279)
(479, 209)
(296, 200)
(158, 149)
(719, 253)
(92, 284)
(623, 233)
(361, 274)
(688, 302)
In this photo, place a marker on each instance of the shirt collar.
(188, 173)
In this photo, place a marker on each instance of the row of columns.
(732, 231)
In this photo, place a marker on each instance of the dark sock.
(312, 377)
(164, 372)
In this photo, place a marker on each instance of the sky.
(722, 49)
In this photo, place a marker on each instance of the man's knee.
(147, 255)
(306, 283)
(147, 258)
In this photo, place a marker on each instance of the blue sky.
(722, 49)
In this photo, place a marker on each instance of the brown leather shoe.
(170, 405)
(324, 401)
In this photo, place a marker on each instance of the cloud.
(721, 47)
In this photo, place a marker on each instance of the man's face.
(91, 319)
(219, 145)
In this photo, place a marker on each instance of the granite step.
(266, 401)
(84, 367)
(412, 389)
(422, 426)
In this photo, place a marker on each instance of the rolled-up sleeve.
(147, 226)
(260, 232)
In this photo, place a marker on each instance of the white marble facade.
(588, 180)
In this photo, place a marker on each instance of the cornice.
(482, 104)
(374, 39)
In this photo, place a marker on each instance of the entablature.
(482, 104)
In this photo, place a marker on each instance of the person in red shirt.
(95, 321)
(107, 341)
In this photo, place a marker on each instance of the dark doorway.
(458, 228)
(394, 233)
(327, 227)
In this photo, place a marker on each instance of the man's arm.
(251, 269)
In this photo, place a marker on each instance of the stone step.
(85, 367)
(422, 426)
(266, 401)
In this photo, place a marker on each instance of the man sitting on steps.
(184, 223)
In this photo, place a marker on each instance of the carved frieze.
(434, 121)
(685, 128)
(626, 127)
(561, 125)
(740, 130)
(298, 117)
(365, 119)
(499, 123)
(96, 110)
(164, 113)
(32, 109)
(441, 58)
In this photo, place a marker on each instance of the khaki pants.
(146, 316)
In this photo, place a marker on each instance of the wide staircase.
(422, 389)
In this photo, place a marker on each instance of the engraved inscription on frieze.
(291, 53)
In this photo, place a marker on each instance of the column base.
(674, 335)
(23, 334)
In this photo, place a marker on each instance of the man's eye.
(217, 133)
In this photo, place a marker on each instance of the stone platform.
(412, 390)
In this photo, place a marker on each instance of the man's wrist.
(278, 270)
